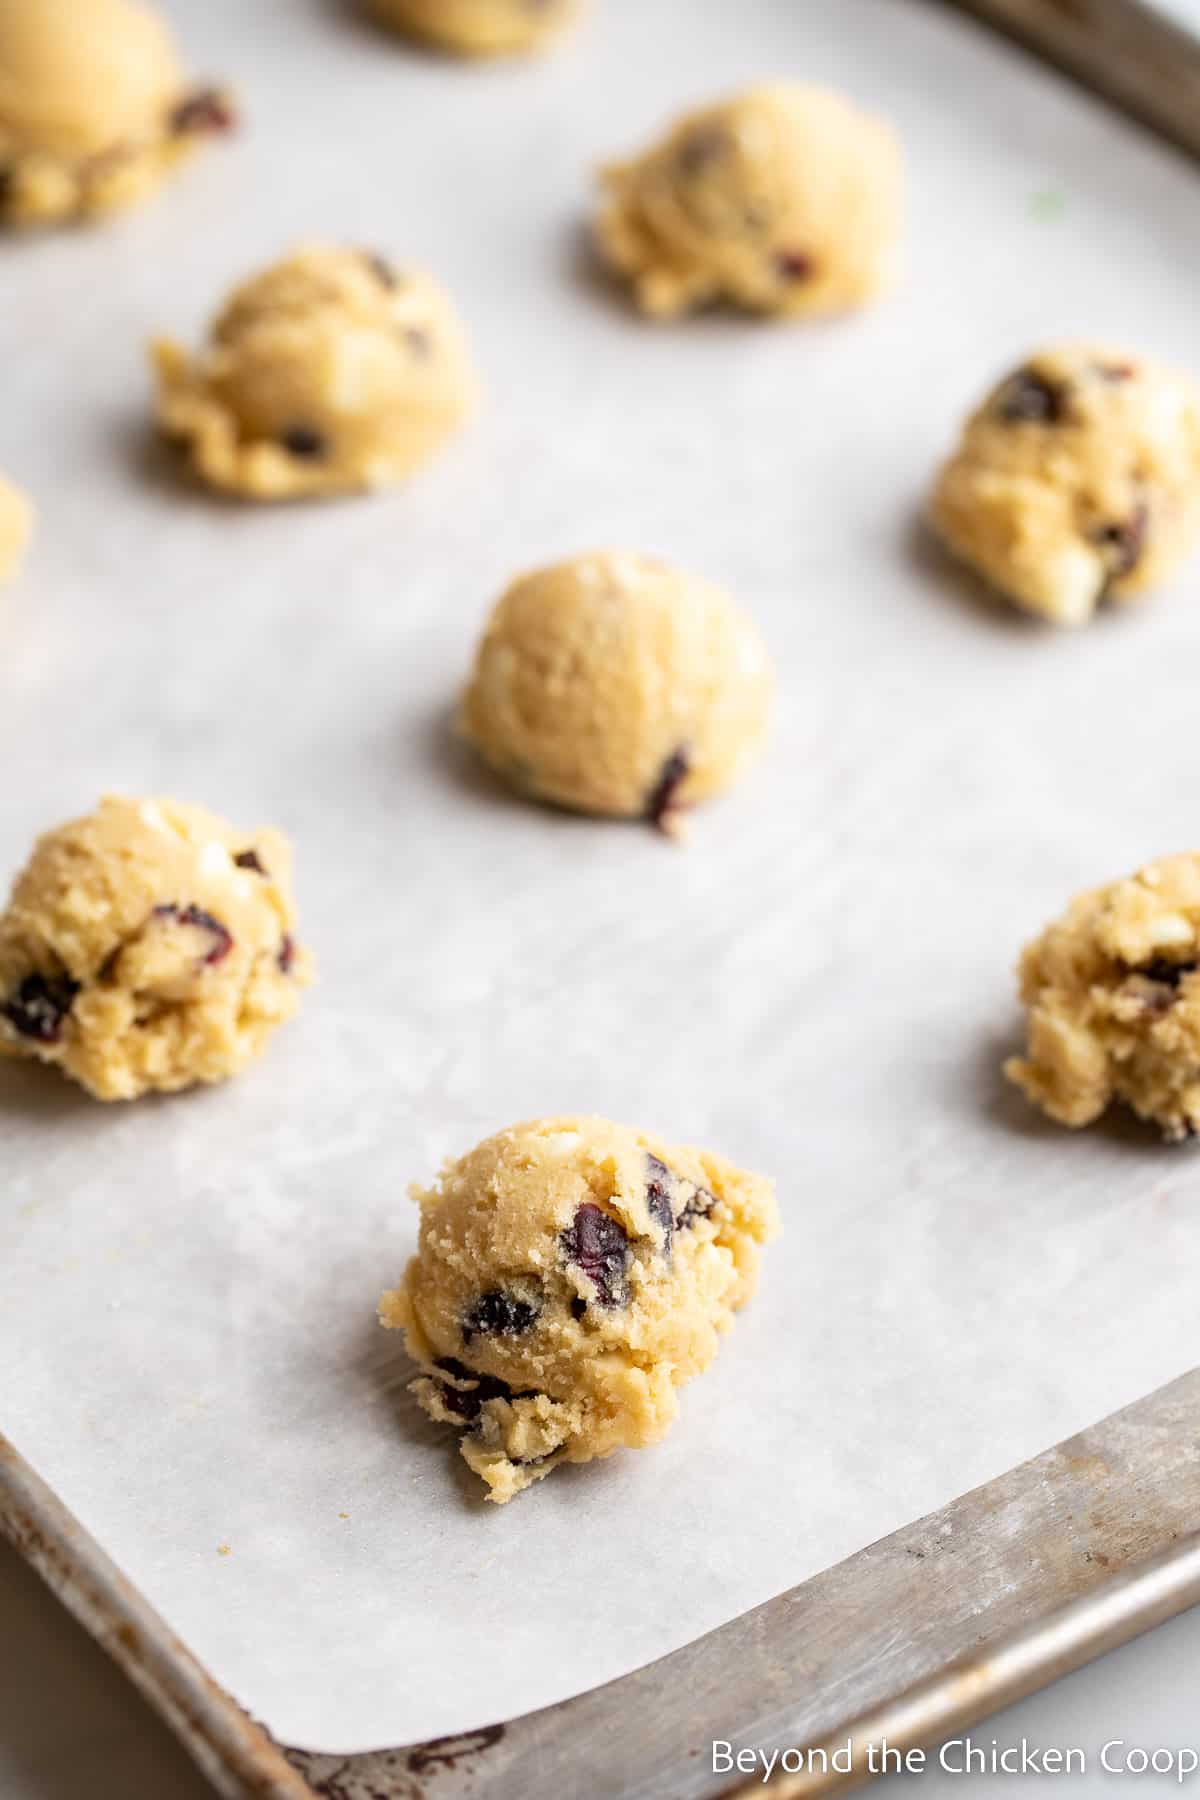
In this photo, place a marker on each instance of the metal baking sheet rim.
(1142, 55)
(1110, 1604)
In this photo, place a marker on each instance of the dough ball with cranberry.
(1076, 482)
(95, 109)
(1112, 993)
(614, 683)
(149, 946)
(784, 200)
(329, 372)
(479, 27)
(571, 1275)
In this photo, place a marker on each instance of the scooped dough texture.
(1113, 994)
(330, 371)
(94, 107)
(783, 200)
(149, 946)
(480, 27)
(571, 1274)
(615, 684)
(1077, 480)
(16, 524)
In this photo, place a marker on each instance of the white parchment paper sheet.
(819, 985)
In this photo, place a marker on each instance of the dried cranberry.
(698, 1207)
(418, 340)
(200, 920)
(794, 265)
(452, 1366)
(304, 441)
(499, 1313)
(673, 773)
(1166, 974)
(664, 1184)
(249, 859)
(458, 1400)
(700, 149)
(1028, 398)
(467, 1402)
(40, 1005)
(285, 956)
(1124, 371)
(205, 110)
(598, 1244)
(1125, 542)
(658, 1199)
(381, 268)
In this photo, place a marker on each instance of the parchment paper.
(819, 984)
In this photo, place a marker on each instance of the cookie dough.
(479, 27)
(571, 1274)
(149, 946)
(16, 524)
(330, 371)
(1113, 995)
(613, 683)
(95, 110)
(782, 200)
(1076, 482)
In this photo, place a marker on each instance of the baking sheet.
(819, 984)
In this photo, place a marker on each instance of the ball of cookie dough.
(94, 107)
(149, 946)
(615, 684)
(1076, 482)
(16, 525)
(479, 27)
(329, 372)
(571, 1275)
(1112, 991)
(783, 200)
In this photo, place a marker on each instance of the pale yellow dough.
(16, 526)
(784, 200)
(480, 27)
(1113, 996)
(329, 372)
(149, 946)
(1077, 481)
(95, 109)
(614, 683)
(571, 1275)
